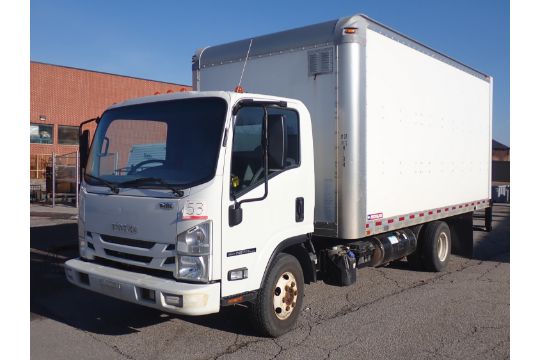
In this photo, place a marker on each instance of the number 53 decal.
(194, 210)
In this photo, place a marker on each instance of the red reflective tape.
(194, 217)
(411, 217)
(390, 221)
(430, 213)
(401, 218)
(421, 214)
(378, 223)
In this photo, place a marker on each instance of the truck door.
(265, 222)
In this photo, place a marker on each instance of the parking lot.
(390, 313)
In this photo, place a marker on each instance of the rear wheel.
(279, 302)
(436, 246)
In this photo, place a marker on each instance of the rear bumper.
(195, 299)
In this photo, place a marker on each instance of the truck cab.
(199, 221)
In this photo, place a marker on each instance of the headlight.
(194, 248)
(193, 268)
(195, 241)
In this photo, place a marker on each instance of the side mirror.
(235, 215)
(277, 142)
(84, 140)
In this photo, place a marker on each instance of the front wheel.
(279, 302)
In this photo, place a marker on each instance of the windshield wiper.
(113, 187)
(147, 180)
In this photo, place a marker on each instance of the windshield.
(174, 141)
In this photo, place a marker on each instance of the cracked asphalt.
(390, 313)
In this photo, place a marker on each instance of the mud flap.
(461, 228)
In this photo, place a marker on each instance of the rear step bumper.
(167, 295)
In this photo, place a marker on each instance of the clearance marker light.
(350, 30)
(239, 89)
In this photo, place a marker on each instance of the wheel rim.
(285, 295)
(442, 246)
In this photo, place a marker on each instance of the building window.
(68, 135)
(41, 134)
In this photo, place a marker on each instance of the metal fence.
(501, 194)
(61, 178)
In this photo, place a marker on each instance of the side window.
(247, 156)
(293, 135)
(247, 165)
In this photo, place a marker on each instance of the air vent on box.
(320, 61)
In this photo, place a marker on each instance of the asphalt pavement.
(391, 312)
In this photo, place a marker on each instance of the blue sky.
(156, 39)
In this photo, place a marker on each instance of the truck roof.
(312, 36)
(229, 95)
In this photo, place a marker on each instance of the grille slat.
(142, 270)
(128, 242)
(121, 255)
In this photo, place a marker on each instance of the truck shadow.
(53, 297)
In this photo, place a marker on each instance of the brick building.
(62, 97)
(500, 164)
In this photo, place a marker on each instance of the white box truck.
(367, 147)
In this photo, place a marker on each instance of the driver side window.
(247, 166)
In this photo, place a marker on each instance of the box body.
(402, 133)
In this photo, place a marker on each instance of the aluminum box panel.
(428, 130)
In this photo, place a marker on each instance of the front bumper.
(196, 299)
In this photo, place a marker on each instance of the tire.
(436, 246)
(279, 301)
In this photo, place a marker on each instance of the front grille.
(128, 242)
(133, 268)
(133, 257)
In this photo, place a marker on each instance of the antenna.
(239, 87)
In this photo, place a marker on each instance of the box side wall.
(428, 131)
(286, 75)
